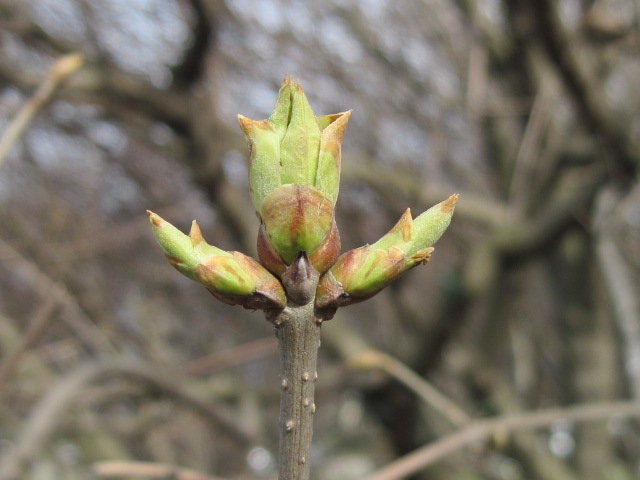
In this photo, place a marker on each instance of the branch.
(298, 332)
(619, 280)
(231, 357)
(585, 91)
(373, 359)
(115, 469)
(76, 317)
(60, 71)
(483, 429)
(36, 328)
(193, 63)
(107, 86)
(528, 236)
(47, 413)
(389, 183)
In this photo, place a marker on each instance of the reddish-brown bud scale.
(323, 257)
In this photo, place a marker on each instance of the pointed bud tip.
(450, 203)
(288, 80)
(333, 133)
(156, 220)
(344, 121)
(245, 123)
(195, 234)
(291, 83)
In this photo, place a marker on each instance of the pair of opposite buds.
(294, 178)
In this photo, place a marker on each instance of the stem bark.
(298, 332)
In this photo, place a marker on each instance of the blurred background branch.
(58, 73)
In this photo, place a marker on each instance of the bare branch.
(36, 328)
(47, 413)
(389, 183)
(232, 357)
(117, 469)
(76, 317)
(483, 429)
(59, 72)
(373, 359)
(585, 91)
(619, 280)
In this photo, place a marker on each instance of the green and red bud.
(322, 258)
(232, 277)
(294, 176)
(363, 272)
(297, 218)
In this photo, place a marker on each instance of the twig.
(531, 140)
(47, 413)
(477, 68)
(585, 90)
(390, 183)
(528, 237)
(115, 469)
(232, 357)
(482, 429)
(76, 318)
(35, 329)
(619, 280)
(60, 70)
(299, 339)
(373, 359)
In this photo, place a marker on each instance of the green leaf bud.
(232, 277)
(363, 272)
(294, 176)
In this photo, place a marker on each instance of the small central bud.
(300, 280)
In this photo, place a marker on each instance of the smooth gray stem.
(298, 332)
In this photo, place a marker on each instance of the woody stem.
(298, 332)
